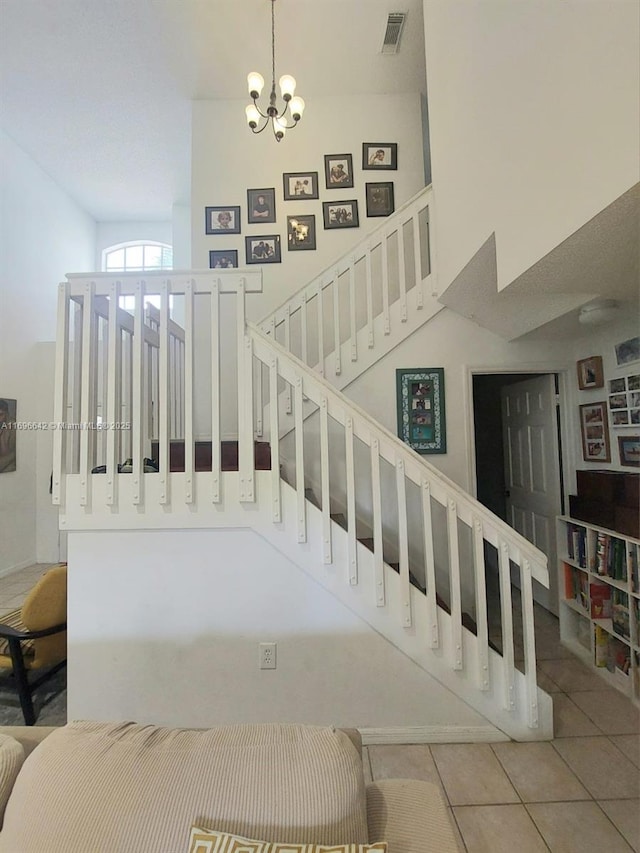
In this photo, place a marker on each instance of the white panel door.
(532, 470)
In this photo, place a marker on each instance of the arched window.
(134, 257)
(137, 257)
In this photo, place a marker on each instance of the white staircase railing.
(394, 507)
(366, 302)
(412, 475)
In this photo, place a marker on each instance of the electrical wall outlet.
(267, 655)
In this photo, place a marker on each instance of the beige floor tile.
(472, 775)
(12, 603)
(629, 745)
(538, 773)
(498, 829)
(625, 816)
(456, 829)
(576, 828)
(546, 683)
(408, 761)
(610, 710)
(604, 771)
(569, 720)
(366, 765)
(571, 675)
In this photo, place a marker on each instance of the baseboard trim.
(432, 734)
(11, 569)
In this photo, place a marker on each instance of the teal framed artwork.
(421, 412)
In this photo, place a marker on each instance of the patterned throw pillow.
(212, 841)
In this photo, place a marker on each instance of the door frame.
(566, 452)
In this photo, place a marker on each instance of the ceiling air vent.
(395, 25)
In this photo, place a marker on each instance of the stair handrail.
(369, 241)
(412, 460)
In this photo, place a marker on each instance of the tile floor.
(576, 794)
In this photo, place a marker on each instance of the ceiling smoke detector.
(393, 33)
(601, 311)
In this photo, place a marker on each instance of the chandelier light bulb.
(255, 82)
(287, 85)
(253, 116)
(296, 106)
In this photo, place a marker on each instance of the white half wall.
(44, 235)
(164, 627)
(534, 122)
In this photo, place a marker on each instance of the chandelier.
(293, 107)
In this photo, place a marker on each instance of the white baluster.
(287, 346)
(336, 324)
(417, 260)
(215, 391)
(353, 329)
(403, 541)
(454, 581)
(189, 445)
(138, 411)
(430, 564)
(59, 479)
(378, 548)
(324, 469)
(163, 408)
(87, 394)
(369, 284)
(114, 377)
(351, 502)
(402, 274)
(320, 331)
(304, 356)
(299, 430)
(274, 434)
(482, 628)
(245, 402)
(384, 261)
(507, 627)
(529, 639)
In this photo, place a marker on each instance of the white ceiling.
(98, 92)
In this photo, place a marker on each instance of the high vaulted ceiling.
(98, 92)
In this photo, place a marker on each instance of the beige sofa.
(127, 788)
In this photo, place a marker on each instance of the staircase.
(342, 498)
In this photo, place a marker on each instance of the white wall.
(534, 122)
(43, 235)
(152, 645)
(227, 159)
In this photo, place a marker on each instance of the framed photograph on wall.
(340, 214)
(223, 259)
(590, 372)
(628, 351)
(8, 434)
(379, 155)
(300, 185)
(380, 198)
(261, 205)
(263, 249)
(222, 220)
(301, 233)
(594, 428)
(629, 447)
(338, 171)
(421, 412)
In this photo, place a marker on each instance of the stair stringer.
(387, 621)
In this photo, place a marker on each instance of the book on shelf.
(601, 647)
(620, 614)
(618, 657)
(632, 566)
(577, 544)
(600, 597)
(610, 557)
(576, 586)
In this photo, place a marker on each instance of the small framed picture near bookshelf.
(629, 447)
(594, 428)
(590, 373)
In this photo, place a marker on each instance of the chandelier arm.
(255, 103)
(264, 126)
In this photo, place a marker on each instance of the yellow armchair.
(35, 637)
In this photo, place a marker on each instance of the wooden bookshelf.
(599, 584)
